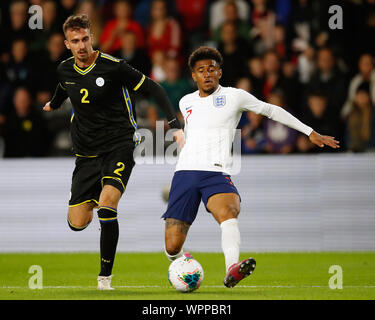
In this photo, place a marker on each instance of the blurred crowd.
(281, 51)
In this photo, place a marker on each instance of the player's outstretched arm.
(154, 89)
(158, 93)
(322, 141)
(277, 113)
(58, 98)
(132, 78)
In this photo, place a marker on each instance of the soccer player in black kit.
(103, 131)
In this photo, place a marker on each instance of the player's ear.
(220, 73)
(66, 42)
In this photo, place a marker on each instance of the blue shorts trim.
(190, 187)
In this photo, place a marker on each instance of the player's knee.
(227, 212)
(78, 225)
(80, 217)
(108, 201)
(110, 196)
(230, 211)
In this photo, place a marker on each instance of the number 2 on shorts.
(121, 166)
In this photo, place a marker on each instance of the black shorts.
(91, 174)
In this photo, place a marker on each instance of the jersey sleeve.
(60, 94)
(248, 102)
(130, 77)
(135, 80)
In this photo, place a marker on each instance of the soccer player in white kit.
(202, 172)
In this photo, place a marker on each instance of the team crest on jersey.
(100, 82)
(219, 101)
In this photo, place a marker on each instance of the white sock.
(230, 241)
(172, 258)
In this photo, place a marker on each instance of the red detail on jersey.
(189, 113)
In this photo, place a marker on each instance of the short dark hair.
(203, 53)
(76, 22)
(317, 93)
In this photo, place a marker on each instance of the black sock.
(108, 239)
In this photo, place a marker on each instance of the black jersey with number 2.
(103, 117)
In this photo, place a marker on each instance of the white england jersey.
(210, 124)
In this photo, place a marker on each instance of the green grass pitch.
(143, 276)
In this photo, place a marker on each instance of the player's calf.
(108, 238)
(175, 235)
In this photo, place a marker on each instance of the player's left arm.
(58, 98)
(321, 140)
(60, 94)
(158, 93)
(279, 114)
(134, 79)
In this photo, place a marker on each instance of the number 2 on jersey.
(121, 166)
(85, 94)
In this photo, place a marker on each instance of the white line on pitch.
(208, 286)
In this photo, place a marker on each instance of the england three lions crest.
(219, 101)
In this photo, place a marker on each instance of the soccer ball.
(185, 274)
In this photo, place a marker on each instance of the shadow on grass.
(131, 294)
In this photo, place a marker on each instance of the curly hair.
(203, 53)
